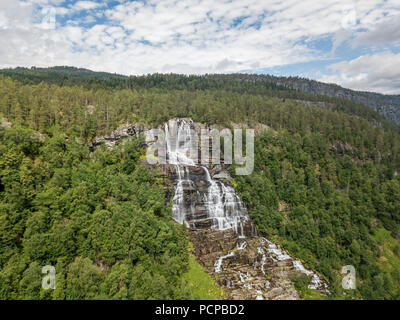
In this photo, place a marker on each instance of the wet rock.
(224, 238)
(223, 235)
(252, 268)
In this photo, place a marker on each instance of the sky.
(355, 44)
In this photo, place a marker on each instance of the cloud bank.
(371, 72)
(204, 36)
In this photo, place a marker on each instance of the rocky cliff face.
(124, 131)
(200, 200)
(250, 268)
(386, 105)
(245, 268)
(223, 235)
(225, 239)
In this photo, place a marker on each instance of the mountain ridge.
(387, 106)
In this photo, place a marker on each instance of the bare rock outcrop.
(251, 268)
(5, 123)
(341, 147)
(123, 132)
(224, 238)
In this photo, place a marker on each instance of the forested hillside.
(328, 208)
(100, 219)
(368, 105)
(325, 185)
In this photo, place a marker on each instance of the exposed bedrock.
(224, 237)
(250, 268)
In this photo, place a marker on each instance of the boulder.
(4, 123)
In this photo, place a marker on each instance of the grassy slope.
(202, 284)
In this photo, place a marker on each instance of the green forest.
(104, 220)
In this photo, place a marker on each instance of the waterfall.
(263, 259)
(179, 210)
(200, 201)
(224, 208)
(242, 246)
(218, 263)
(177, 145)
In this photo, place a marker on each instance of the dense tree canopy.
(326, 208)
(324, 184)
(100, 218)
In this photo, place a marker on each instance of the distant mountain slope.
(387, 106)
(55, 74)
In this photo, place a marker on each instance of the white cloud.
(86, 5)
(193, 36)
(371, 72)
(386, 32)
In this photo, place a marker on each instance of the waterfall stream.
(203, 202)
(224, 208)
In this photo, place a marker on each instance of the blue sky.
(355, 44)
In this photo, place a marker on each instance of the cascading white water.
(179, 142)
(224, 207)
(218, 263)
(177, 145)
(242, 246)
(263, 259)
(179, 210)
